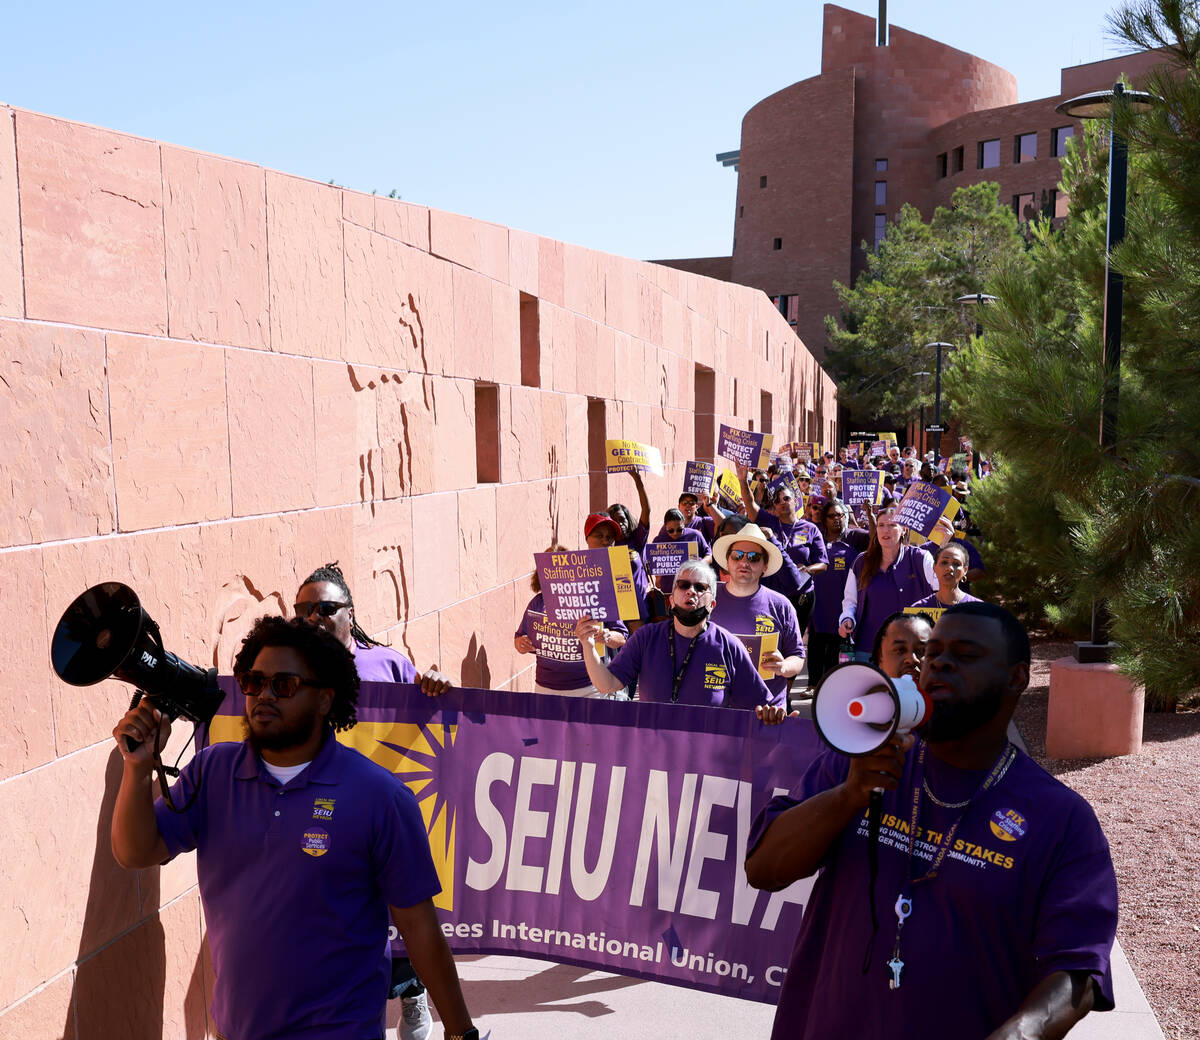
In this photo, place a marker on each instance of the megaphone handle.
(132, 745)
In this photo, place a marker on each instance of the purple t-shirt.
(761, 614)
(933, 601)
(719, 674)
(560, 664)
(637, 540)
(383, 664)
(300, 875)
(830, 584)
(801, 540)
(1027, 890)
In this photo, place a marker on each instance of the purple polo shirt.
(900, 586)
(1028, 890)
(801, 540)
(761, 614)
(296, 882)
(933, 601)
(830, 584)
(383, 664)
(720, 673)
(564, 671)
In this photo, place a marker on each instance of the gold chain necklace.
(1011, 756)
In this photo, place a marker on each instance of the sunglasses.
(324, 607)
(282, 684)
(749, 555)
(700, 587)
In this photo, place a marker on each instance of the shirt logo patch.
(763, 625)
(715, 676)
(799, 539)
(315, 842)
(1008, 824)
(323, 808)
(839, 564)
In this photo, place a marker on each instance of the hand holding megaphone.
(858, 709)
(135, 734)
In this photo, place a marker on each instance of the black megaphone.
(106, 632)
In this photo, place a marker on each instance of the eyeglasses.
(282, 684)
(700, 587)
(324, 607)
(749, 555)
(674, 532)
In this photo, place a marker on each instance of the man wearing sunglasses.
(748, 609)
(686, 659)
(306, 851)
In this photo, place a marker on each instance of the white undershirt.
(285, 774)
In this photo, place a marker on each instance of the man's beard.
(281, 739)
(953, 721)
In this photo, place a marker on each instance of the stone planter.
(1094, 711)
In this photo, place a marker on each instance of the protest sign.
(591, 832)
(781, 462)
(879, 449)
(699, 478)
(630, 456)
(862, 486)
(729, 487)
(806, 451)
(555, 640)
(758, 646)
(888, 438)
(596, 583)
(933, 612)
(663, 559)
(958, 461)
(744, 447)
(854, 449)
(964, 444)
(920, 509)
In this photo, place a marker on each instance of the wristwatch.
(470, 1034)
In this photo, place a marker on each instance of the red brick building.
(826, 163)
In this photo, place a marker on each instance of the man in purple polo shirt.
(686, 659)
(748, 609)
(306, 851)
(324, 600)
(997, 921)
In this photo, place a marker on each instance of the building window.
(956, 160)
(741, 211)
(1024, 207)
(943, 165)
(789, 306)
(1024, 148)
(881, 166)
(1059, 137)
(762, 181)
(880, 227)
(1060, 203)
(989, 154)
(881, 193)
(777, 243)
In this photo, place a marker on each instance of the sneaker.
(416, 1023)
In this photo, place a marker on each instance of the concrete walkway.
(538, 1000)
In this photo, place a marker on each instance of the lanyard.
(904, 903)
(677, 676)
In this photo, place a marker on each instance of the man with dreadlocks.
(304, 849)
(324, 599)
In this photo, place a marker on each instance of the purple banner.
(699, 478)
(663, 559)
(921, 507)
(599, 833)
(861, 486)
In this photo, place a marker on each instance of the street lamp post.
(937, 399)
(1104, 104)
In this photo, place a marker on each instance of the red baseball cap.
(596, 519)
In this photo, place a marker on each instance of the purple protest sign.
(599, 833)
(663, 559)
(699, 478)
(744, 447)
(862, 486)
(920, 509)
(596, 583)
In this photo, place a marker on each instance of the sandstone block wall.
(214, 378)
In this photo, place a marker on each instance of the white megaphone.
(857, 709)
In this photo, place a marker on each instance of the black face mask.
(688, 618)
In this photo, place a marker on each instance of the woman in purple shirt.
(843, 545)
(886, 578)
(950, 567)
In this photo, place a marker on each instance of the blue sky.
(592, 123)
